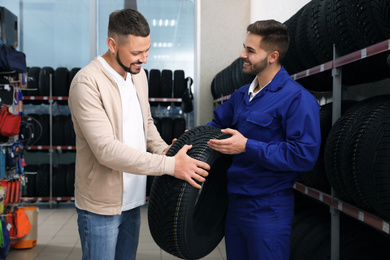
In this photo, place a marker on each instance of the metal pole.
(336, 113)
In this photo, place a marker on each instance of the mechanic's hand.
(233, 145)
(166, 150)
(190, 169)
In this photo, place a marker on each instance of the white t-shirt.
(134, 186)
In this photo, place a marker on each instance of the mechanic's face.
(132, 54)
(255, 58)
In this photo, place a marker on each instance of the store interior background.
(200, 37)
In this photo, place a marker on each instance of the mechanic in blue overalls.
(275, 128)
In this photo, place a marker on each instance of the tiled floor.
(58, 238)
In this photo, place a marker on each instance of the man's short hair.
(127, 21)
(274, 36)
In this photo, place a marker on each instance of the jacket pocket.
(261, 119)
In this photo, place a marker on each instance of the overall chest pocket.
(264, 125)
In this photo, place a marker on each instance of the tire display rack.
(50, 148)
(13, 175)
(336, 205)
(159, 102)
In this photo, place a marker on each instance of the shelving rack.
(52, 148)
(336, 205)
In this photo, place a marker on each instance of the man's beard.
(257, 68)
(127, 69)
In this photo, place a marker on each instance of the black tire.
(70, 179)
(59, 180)
(58, 129)
(44, 80)
(179, 85)
(30, 174)
(33, 82)
(368, 155)
(42, 181)
(69, 134)
(167, 129)
(179, 127)
(61, 82)
(166, 86)
(184, 221)
(154, 85)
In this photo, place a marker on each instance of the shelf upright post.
(336, 113)
(51, 138)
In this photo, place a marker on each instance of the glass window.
(56, 33)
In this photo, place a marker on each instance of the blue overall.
(282, 124)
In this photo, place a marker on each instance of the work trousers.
(259, 227)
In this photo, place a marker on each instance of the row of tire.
(355, 155)
(64, 135)
(349, 24)
(311, 234)
(162, 84)
(39, 129)
(38, 180)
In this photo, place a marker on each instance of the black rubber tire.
(368, 157)
(58, 129)
(42, 181)
(59, 180)
(154, 85)
(166, 86)
(44, 80)
(179, 127)
(167, 129)
(184, 221)
(335, 146)
(179, 85)
(70, 179)
(61, 82)
(33, 83)
(69, 134)
(30, 172)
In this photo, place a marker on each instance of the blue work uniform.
(282, 124)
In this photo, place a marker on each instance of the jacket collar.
(277, 83)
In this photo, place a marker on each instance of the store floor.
(58, 238)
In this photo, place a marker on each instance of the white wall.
(279, 10)
(220, 31)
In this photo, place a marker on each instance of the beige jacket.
(101, 157)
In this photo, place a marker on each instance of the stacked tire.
(349, 24)
(357, 155)
(230, 79)
(167, 84)
(38, 180)
(311, 237)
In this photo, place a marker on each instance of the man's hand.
(190, 169)
(233, 145)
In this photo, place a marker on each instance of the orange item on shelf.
(30, 240)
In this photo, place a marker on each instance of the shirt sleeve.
(300, 149)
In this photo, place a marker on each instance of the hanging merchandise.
(12, 60)
(2, 162)
(4, 248)
(9, 123)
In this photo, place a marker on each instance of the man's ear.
(273, 57)
(112, 45)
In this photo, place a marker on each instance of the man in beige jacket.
(117, 142)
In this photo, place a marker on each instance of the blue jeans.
(109, 237)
